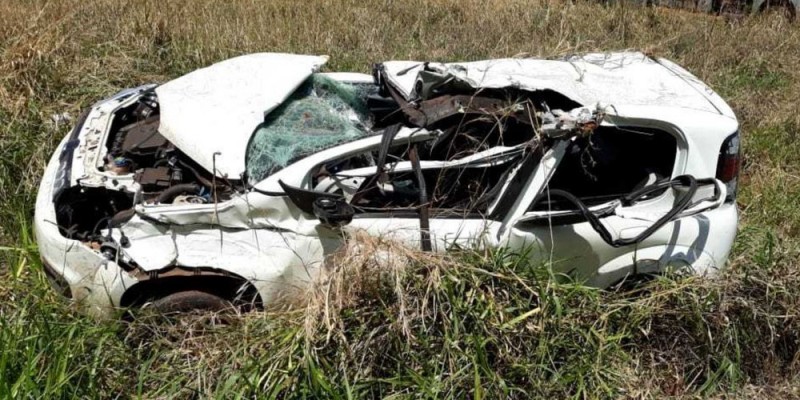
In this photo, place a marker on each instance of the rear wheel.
(784, 8)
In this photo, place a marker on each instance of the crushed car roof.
(621, 78)
(211, 114)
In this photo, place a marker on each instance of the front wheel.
(176, 317)
(189, 301)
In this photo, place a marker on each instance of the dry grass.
(474, 324)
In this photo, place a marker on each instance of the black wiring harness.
(682, 204)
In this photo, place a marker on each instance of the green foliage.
(755, 74)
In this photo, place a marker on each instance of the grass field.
(473, 325)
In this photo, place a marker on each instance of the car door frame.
(622, 221)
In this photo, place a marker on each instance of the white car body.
(261, 236)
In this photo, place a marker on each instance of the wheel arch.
(653, 259)
(234, 288)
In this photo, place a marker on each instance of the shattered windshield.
(322, 113)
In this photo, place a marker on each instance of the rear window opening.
(611, 163)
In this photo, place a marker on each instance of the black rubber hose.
(168, 195)
(196, 174)
(683, 202)
(424, 217)
(590, 217)
(122, 217)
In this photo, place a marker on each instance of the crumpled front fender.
(274, 261)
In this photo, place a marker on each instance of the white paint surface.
(624, 78)
(216, 109)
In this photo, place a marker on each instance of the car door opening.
(611, 163)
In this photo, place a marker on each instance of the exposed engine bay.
(137, 152)
(164, 174)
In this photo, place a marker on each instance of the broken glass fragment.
(322, 113)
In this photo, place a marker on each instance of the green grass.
(473, 325)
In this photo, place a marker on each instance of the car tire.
(176, 316)
(189, 301)
(784, 7)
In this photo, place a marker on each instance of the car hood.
(211, 113)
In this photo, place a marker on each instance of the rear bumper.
(702, 242)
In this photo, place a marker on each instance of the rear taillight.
(728, 165)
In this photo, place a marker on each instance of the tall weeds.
(472, 324)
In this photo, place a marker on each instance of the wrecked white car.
(235, 182)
